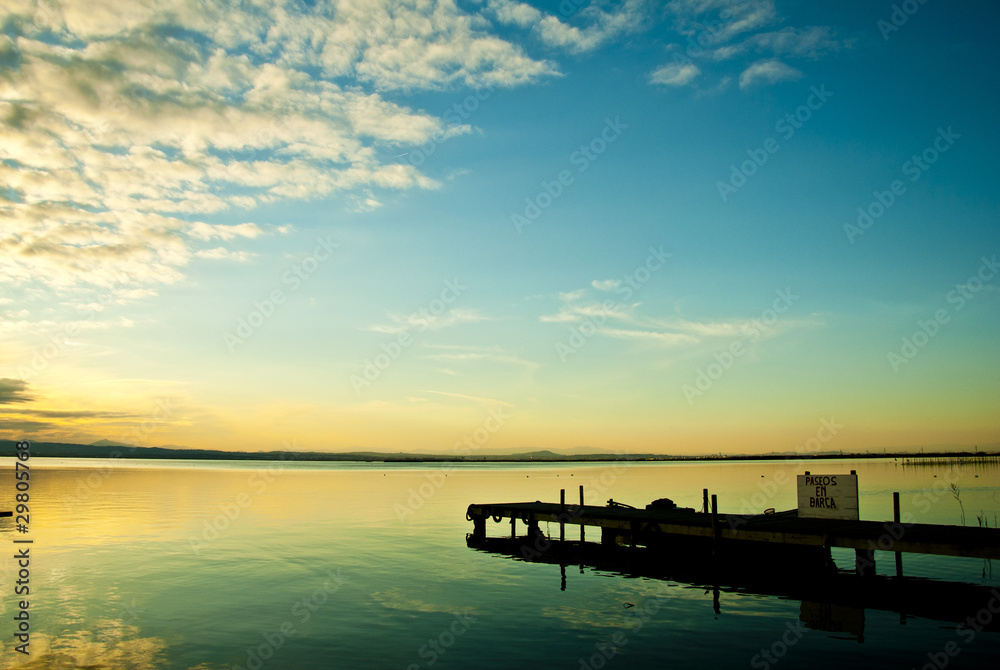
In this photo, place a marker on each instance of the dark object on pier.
(667, 505)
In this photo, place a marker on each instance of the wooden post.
(582, 533)
(513, 527)
(715, 526)
(479, 528)
(895, 518)
(562, 513)
(534, 532)
(704, 498)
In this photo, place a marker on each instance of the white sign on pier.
(828, 496)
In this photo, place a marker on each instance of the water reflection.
(831, 601)
(112, 645)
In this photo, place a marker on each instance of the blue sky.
(168, 168)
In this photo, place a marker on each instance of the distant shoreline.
(65, 450)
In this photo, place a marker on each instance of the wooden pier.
(729, 532)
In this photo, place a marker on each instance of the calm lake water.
(214, 565)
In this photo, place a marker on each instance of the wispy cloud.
(606, 284)
(574, 312)
(75, 414)
(716, 31)
(625, 321)
(421, 321)
(14, 391)
(675, 74)
(490, 402)
(597, 26)
(221, 253)
(810, 42)
(664, 338)
(467, 354)
(768, 72)
(735, 17)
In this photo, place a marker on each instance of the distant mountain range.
(113, 449)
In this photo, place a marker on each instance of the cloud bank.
(125, 123)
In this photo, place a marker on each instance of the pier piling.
(864, 562)
(562, 515)
(716, 530)
(895, 518)
(479, 527)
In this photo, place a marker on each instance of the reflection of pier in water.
(832, 601)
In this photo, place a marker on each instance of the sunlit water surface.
(215, 565)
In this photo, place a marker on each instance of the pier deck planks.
(781, 528)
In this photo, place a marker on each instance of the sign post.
(828, 496)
